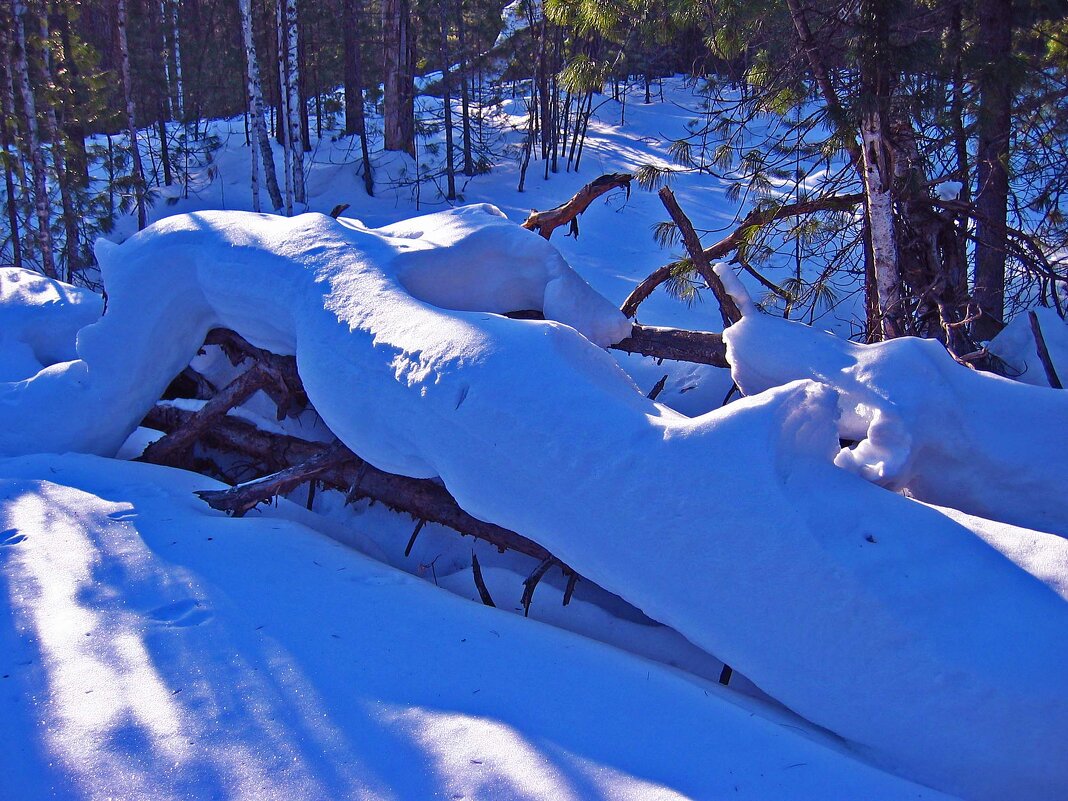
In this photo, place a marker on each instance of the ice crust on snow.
(831, 593)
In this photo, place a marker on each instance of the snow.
(951, 436)
(157, 649)
(1016, 346)
(39, 318)
(928, 641)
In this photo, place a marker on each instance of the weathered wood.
(287, 390)
(480, 583)
(239, 500)
(422, 498)
(731, 242)
(728, 309)
(545, 222)
(1043, 352)
(699, 347)
(170, 449)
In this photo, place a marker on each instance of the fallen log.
(700, 347)
(422, 498)
(545, 222)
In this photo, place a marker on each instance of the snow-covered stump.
(935, 646)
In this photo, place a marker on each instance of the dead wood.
(422, 498)
(699, 347)
(1043, 353)
(731, 242)
(480, 583)
(287, 391)
(171, 448)
(240, 499)
(728, 309)
(545, 222)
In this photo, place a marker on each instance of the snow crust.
(155, 649)
(881, 619)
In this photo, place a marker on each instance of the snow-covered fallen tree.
(886, 621)
(949, 435)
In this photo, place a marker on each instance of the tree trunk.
(285, 114)
(260, 139)
(179, 89)
(7, 111)
(399, 100)
(355, 119)
(71, 250)
(131, 119)
(21, 70)
(994, 124)
(465, 95)
(295, 100)
(446, 97)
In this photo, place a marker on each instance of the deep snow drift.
(151, 648)
(879, 618)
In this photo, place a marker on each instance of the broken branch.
(545, 222)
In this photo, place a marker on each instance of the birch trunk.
(294, 100)
(21, 70)
(255, 94)
(131, 119)
(880, 210)
(285, 114)
(179, 90)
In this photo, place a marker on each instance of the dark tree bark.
(991, 201)
(399, 88)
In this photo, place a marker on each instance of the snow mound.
(949, 435)
(1016, 346)
(142, 658)
(872, 615)
(39, 318)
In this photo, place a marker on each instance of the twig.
(480, 583)
(531, 582)
(1043, 352)
(411, 540)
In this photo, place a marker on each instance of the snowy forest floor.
(150, 647)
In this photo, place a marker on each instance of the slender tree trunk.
(131, 119)
(446, 97)
(399, 100)
(465, 94)
(176, 37)
(71, 249)
(285, 114)
(297, 108)
(164, 149)
(74, 130)
(21, 70)
(255, 94)
(994, 127)
(7, 112)
(355, 119)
